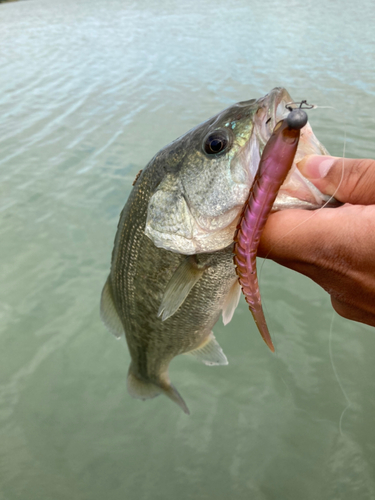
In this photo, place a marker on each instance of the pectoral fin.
(210, 352)
(108, 312)
(231, 302)
(183, 280)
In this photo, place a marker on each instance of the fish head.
(210, 170)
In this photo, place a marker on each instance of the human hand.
(335, 247)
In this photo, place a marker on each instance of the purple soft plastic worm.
(276, 161)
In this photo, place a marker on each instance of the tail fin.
(175, 396)
(143, 389)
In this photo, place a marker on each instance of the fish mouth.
(177, 224)
(297, 191)
(272, 108)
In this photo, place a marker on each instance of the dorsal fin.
(179, 286)
(108, 312)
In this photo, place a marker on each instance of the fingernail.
(316, 166)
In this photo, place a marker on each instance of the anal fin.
(231, 302)
(108, 312)
(210, 352)
(179, 286)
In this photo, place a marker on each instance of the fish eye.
(216, 142)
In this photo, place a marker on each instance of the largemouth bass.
(172, 272)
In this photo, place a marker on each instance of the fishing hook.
(301, 105)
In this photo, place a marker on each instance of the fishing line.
(305, 105)
(334, 369)
(348, 402)
(323, 107)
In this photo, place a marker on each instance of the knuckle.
(344, 310)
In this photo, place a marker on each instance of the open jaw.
(296, 191)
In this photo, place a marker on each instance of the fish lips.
(296, 191)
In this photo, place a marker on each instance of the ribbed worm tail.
(275, 163)
(248, 279)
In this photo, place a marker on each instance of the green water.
(90, 91)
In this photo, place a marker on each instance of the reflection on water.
(90, 92)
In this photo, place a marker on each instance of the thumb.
(348, 180)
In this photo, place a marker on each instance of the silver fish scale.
(139, 275)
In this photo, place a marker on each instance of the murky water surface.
(90, 91)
